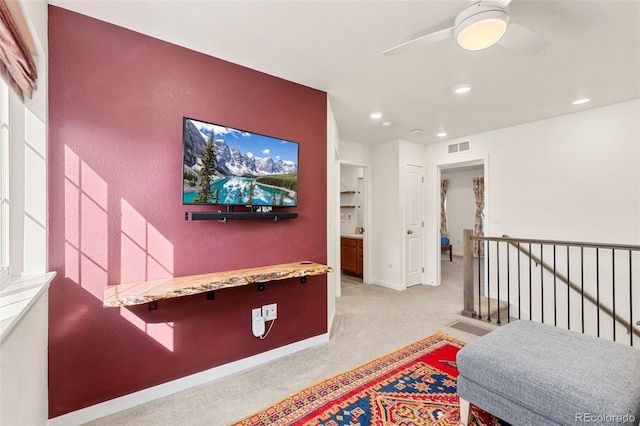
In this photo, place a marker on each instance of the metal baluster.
(568, 291)
(555, 292)
(519, 285)
(488, 281)
(498, 278)
(508, 285)
(631, 297)
(530, 288)
(598, 290)
(613, 289)
(582, 283)
(541, 284)
(479, 284)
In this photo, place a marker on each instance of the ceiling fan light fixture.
(480, 25)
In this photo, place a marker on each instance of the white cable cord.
(264, 336)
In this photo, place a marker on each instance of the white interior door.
(414, 224)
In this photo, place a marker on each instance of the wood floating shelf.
(226, 216)
(151, 291)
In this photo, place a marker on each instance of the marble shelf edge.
(139, 293)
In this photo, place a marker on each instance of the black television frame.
(245, 133)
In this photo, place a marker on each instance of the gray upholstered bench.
(527, 373)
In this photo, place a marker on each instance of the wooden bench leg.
(465, 411)
(450, 253)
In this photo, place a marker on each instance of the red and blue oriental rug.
(413, 386)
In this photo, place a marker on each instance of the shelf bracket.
(303, 280)
(211, 295)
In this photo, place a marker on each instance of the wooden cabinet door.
(348, 255)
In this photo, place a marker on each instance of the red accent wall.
(116, 103)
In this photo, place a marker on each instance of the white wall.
(574, 177)
(386, 218)
(461, 204)
(355, 153)
(333, 211)
(23, 364)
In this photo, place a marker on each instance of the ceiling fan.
(480, 25)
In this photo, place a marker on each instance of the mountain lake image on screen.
(227, 166)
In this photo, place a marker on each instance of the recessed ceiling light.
(581, 101)
(464, 88)
(376, 115)
(442, 134)
(387, 124)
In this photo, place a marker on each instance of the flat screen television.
(232, 167)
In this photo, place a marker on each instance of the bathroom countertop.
(356, 236)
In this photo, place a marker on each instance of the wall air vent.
(455, 148)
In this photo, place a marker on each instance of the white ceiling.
(336, 46)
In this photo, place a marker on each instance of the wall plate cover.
(270, 312)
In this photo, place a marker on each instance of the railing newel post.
(467, 262)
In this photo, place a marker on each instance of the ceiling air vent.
(458, 147)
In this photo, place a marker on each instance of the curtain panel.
(478, 190)
(444, 184)
(17, 67)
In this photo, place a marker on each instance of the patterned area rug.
(415, 385)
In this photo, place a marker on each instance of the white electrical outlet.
(270, 312)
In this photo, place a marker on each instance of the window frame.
(5, 180)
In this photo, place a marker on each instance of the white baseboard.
(146, 395)
(389, 285)
(330, 325)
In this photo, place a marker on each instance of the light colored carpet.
(370, 322)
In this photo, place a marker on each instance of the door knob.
(409, 232)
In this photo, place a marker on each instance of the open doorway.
(353, 222)
(463, 196)
(459, 205)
